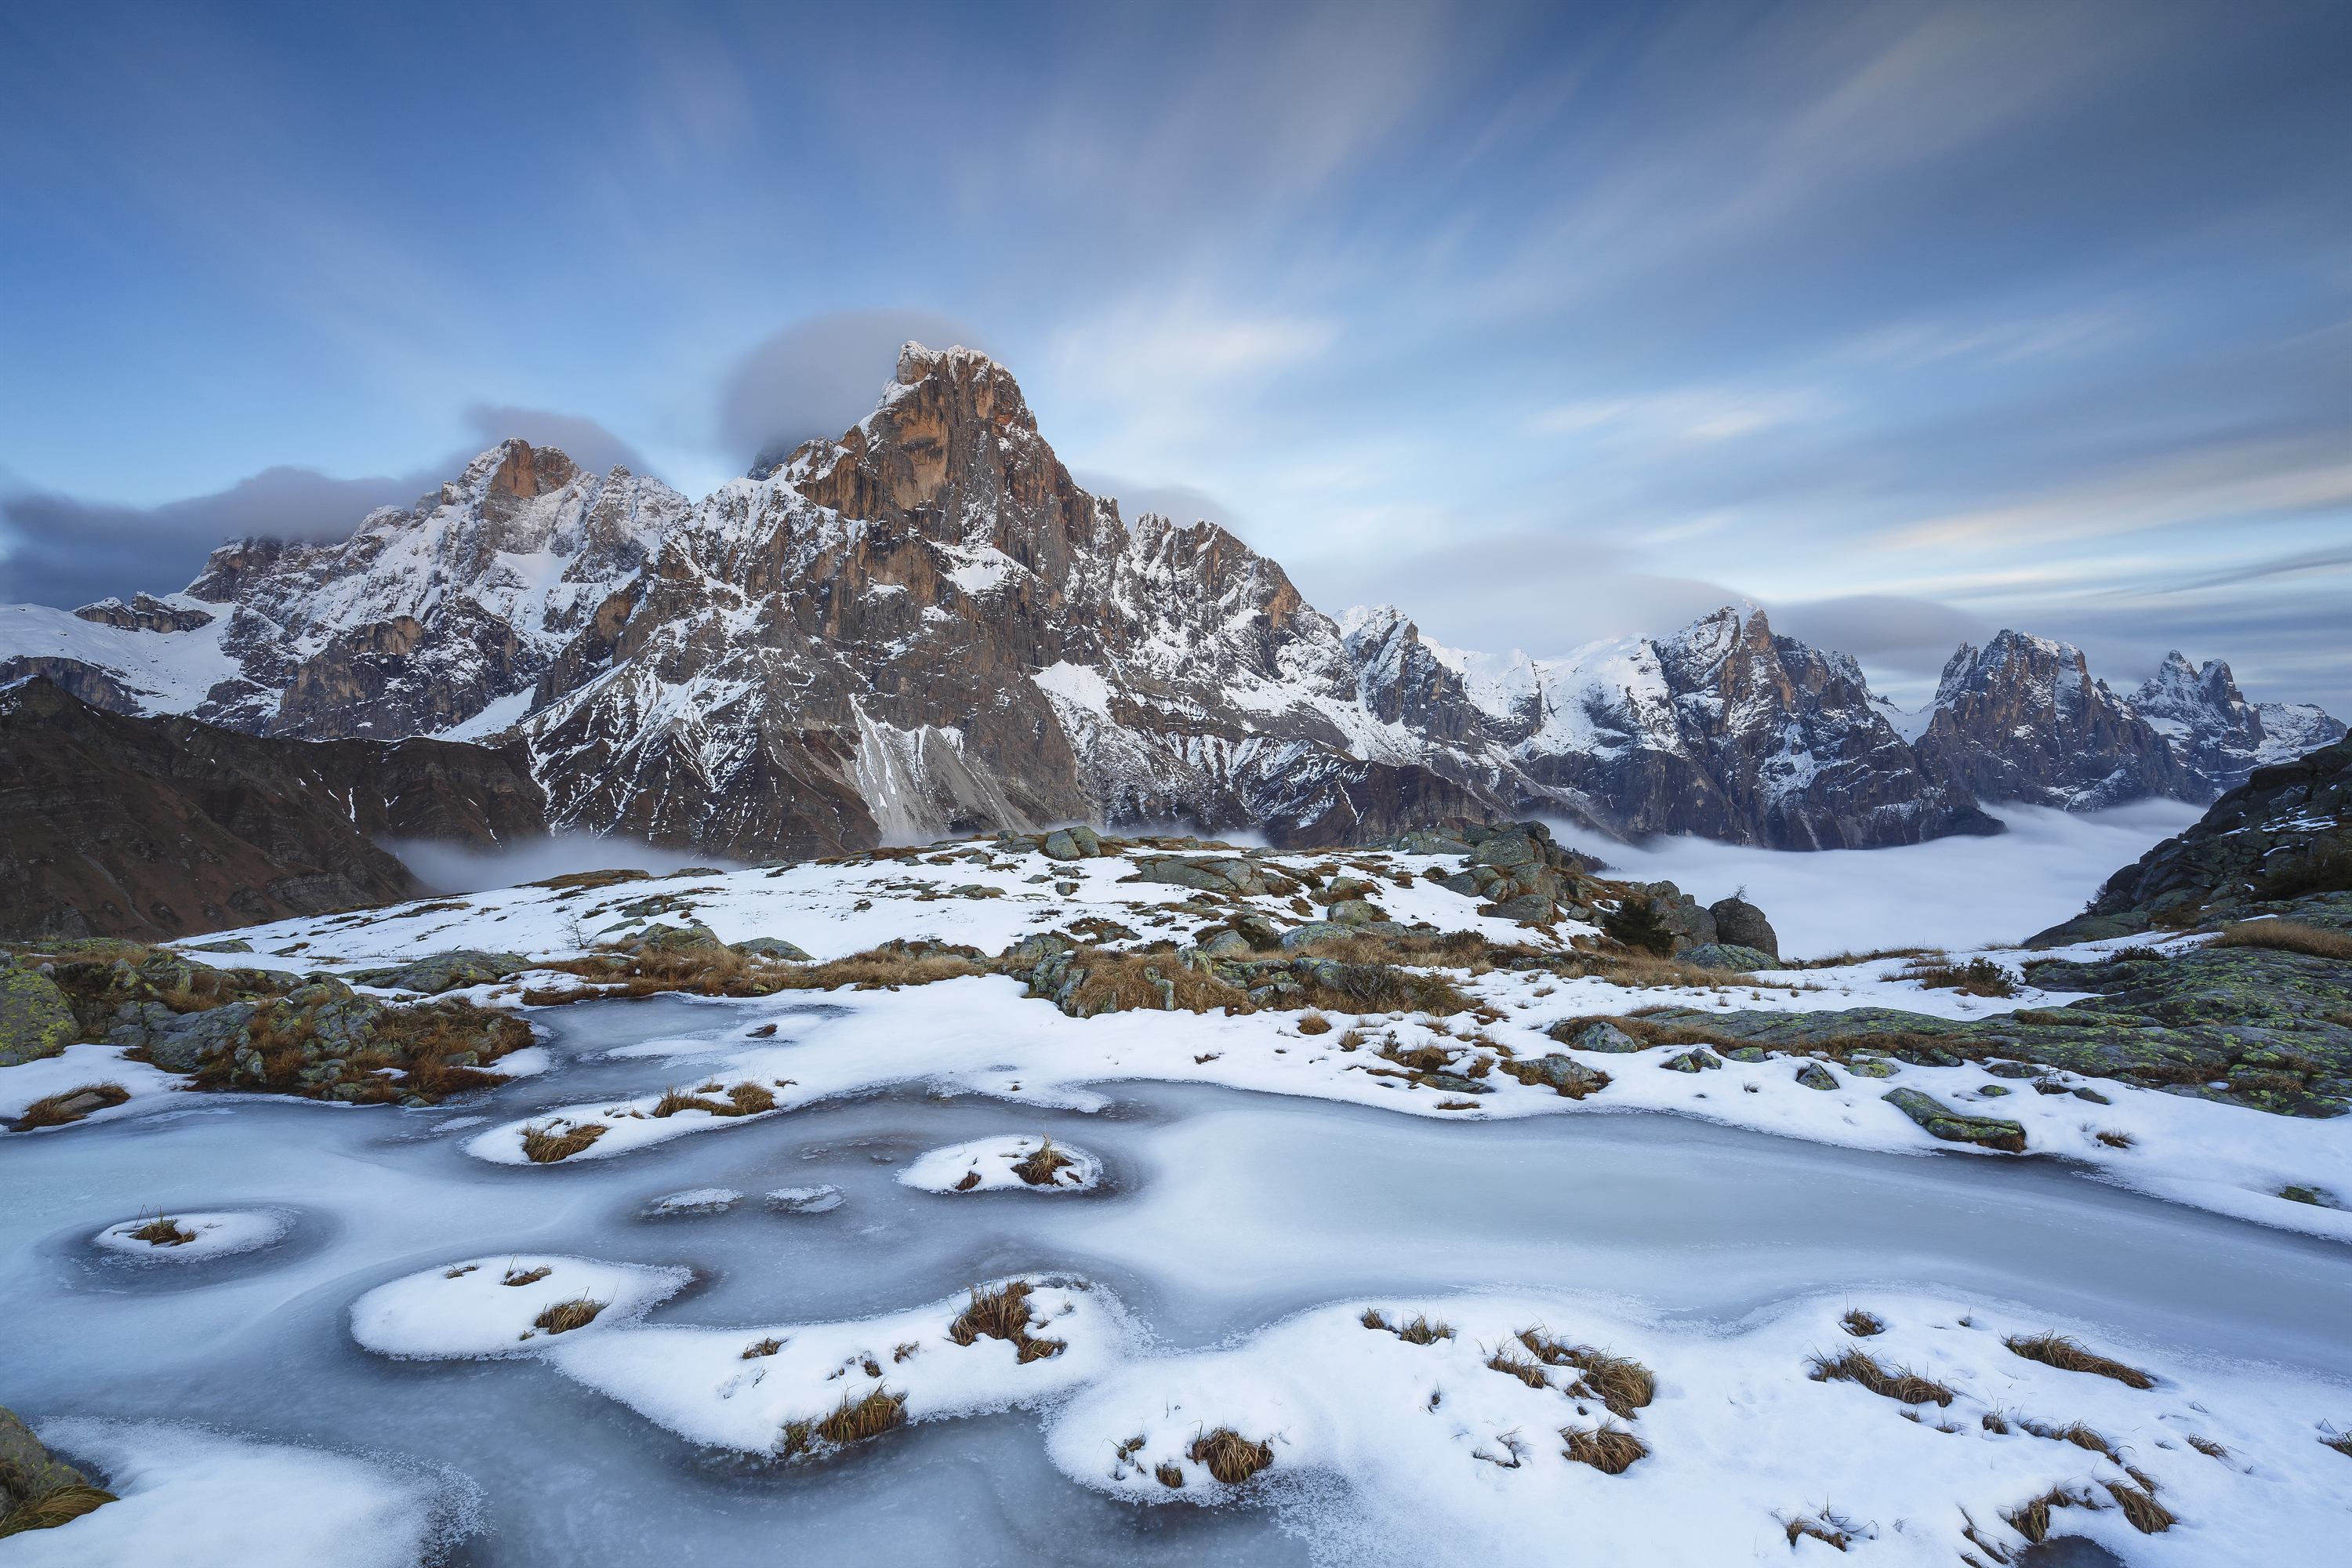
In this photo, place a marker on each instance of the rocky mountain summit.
(926, 626)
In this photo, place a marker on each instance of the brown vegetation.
(1624, 1386)
(52, 1509)
(769, 1346)
(545, 1146)
(71, 1106)
(2031, 1519)
(1230, 1456)
(1168, 1473)
(521, 1276)
(2207, 1446)
(1977, 977)
(1528, 1373)
(1038, 1169)
(745, 1099)
(2286, 936)
(162, 1232)
(1421, 1331)
(2143, 1512)
(1901, 1384)
(2058, 1351)
(1607, 1447)
(1003, 1314)
(1862, 1324)
(867, 1417)
(565, 1316)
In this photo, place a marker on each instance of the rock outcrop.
(2283, 834)
(2023, 718)
(161, 827)
(2219, 737)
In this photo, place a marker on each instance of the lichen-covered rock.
(1696, 1060)
(1738, 923)
(1313, 932)
(462, 967)
(1812, 1075)
(1725, 956)
(1357, 913)
(1598, 1036)
(1072, 844)
(772, 947)
(1873, 1067)
(1527, 909)
(1454, 1083)
(1942, 1121)
(26, 1469)
(1227, 944)
(1564, 1073)
(235, 944)
(35, 1020)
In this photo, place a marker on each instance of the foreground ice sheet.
(194, 1499)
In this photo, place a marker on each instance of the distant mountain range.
(926, 626)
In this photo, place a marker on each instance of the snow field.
(1444, 1459)
(489, 1306)
(216, 1234)
(988, 1165)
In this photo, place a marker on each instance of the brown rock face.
(152, 828)
(2023, 718)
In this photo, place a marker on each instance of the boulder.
(1527, 909)
(1812, 1075)
(1356, 913)
(1227, 944)
(1597, 1036)
(27, 1470)
(1738, 923)
(1941, 1122)
(1727, 956)
(457, 968)
(1454, 1083)
(772, 947)
(35, 1020)
(235, 944)
(1317, 930)
(1564, 1073)
(1507, 849)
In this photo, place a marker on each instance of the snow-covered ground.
(1243, 1191)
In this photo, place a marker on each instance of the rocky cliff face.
(152, 829)
(2023, 718)
(926, 626)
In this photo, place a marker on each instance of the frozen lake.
(1217, 1214)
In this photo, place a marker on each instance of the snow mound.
(995, 1165)
(491, 1306)
(199, 1499)
(213, 1234)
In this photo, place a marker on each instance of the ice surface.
(805, 1200)
(698, 1200)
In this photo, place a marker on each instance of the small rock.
(1564, 1073)
(2094, 1096)
(1455, 1083)
(1812, 1075)
(1746, 1054)
(1995, 1089)
(1696, 1060)
(1872, 1067)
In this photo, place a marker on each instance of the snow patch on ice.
(991, 1160)
(213, 1234)
(484, 1307)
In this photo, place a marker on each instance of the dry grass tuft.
(868, 1417)
(971, 1180)
(1977, 977)
(2058, 1351)
(745, 1099)
(62, 1110)
(1901, 1384)
(162, 1232)
(1168, 1473)
(2339, 1441)
(565, 1316)
(2031, 1519)
(1527, 1372)
(1314, 1024)
(1824, 1526)
(53, 1509)
(2115, 1140)
(1231, 1457)
(1372, 1320)
(1038, 1169)
(2207, 1446)
(1421, 1331)
(1003, 1314)
(2286, 936)
(2145, 1514)
(1607, 1448)
(765, 1347)
(1862, 1324)
(545, 1146)
(519, 1277)
(2074, 1431)
(1995, 1422)
(1624, 1386)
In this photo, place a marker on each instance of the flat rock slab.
(1941, 1121)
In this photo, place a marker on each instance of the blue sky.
(1906, 322)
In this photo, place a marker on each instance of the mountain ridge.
(926, 626)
